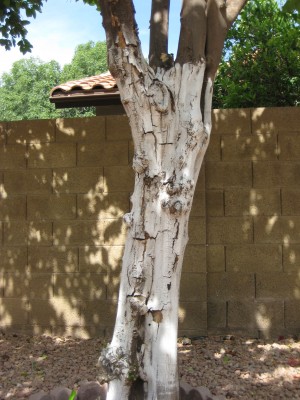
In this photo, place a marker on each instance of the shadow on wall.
(253, 222)
(64, 187)
(65, 184)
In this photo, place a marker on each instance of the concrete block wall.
(252, 176)
(65, 184)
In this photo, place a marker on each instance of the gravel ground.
(237, 368)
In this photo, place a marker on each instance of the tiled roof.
(103, 81)
(94, 90)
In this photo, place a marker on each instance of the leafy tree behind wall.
(261, 59)
(24, 91)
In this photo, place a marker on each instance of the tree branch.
(192, 38)
(121, 31)
(220, 16)
(159, 26)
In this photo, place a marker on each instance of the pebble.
(71, 363)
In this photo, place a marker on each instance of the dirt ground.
(235, 367)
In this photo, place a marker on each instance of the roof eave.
(85, 100)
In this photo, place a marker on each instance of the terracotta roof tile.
(103, 81)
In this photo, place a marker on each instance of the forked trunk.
(170, 136)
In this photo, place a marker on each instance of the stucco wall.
(64, 185)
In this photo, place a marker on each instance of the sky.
(64, 24)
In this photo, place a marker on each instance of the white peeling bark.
(170, 139)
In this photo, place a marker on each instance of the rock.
(47, 397)
(37, 396)
(90, 391)
(187, 392)
(61, 393)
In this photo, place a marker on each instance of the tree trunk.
(170, 136)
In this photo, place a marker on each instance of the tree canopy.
(24, 91)
(261, 59)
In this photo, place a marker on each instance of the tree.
(168, 103)
(261, 64)
(24, 91)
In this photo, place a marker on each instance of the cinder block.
(34, 286)
(254, 258)
(117, 127)
(194, 259)
(3, 133)
(38, 131)
(37, 181)
(269, 318)
(231, 121)
(275, 119)
(113, 284)
(276, 174)
(86, 233)
(252, 202)
(52, 259)
(251, 147)
(278, 285)
(216, 314)
(12, 156)
(90, 129)
(221, 174)
(197, 230)
(193, 316)
(290, 202)
(291, 258)
(198, 207)
(104, 153)
(98, 313)
(227, 230)
(80, 285)
(52, 155)
(104, 205)
(262, 316)
(277, 229)
(13, 208)
(223, 286)
(118, 179)
(193, 287)
(292, 315)
(78, 180)
(27, 233)
(13, 312)
(62, 311)
(13, 259)
(51, 207)
(100, 259)
(289, 146)
(241, 316)
(215, 258)
(200, 184)
(215, 203)
(213, 151)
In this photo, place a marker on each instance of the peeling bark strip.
(169, 108)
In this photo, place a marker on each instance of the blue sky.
(64, 24)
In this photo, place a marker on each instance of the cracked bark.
(169, 108)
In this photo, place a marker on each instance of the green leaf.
(72, 395)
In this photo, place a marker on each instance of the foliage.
(24, 91)
(261, 62)
(13, 25)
